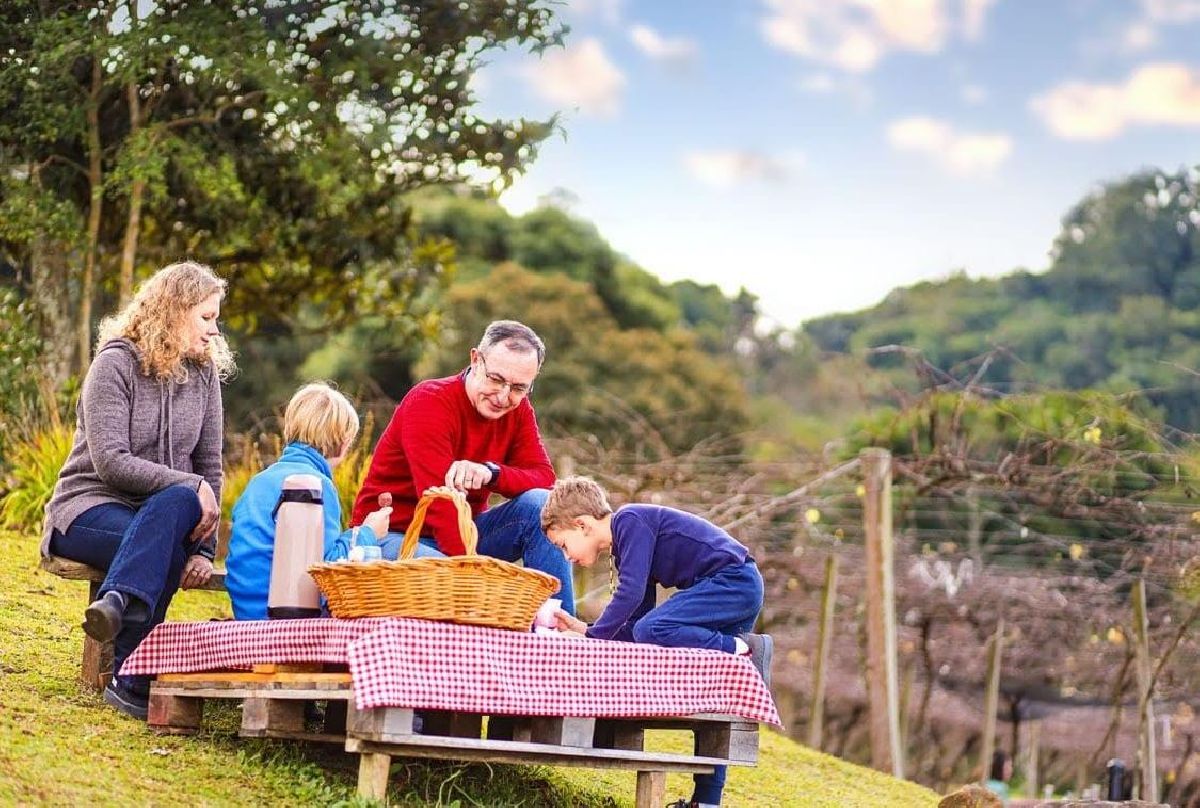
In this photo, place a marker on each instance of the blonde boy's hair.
(571, 498)
(321, 417)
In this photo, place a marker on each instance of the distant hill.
(1118, 309)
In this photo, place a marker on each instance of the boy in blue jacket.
(720, 591)
(319, 426)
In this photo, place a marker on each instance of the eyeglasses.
(497, 382)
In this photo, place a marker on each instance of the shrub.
(34, 462)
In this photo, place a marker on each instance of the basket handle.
(466, 525)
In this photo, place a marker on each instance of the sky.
(823, 152)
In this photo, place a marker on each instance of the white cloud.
(1170, 11)
(1157, 93)
(974, 93)
(965, 154)
(677, 51)
(854, 35)
(581, 75)
(819, 83)
(1138, 37)
(726, 168)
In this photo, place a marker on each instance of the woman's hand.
(210, 512)
(196, 572)
(568, 624)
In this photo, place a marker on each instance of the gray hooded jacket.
(136, 435)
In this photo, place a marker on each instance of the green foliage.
(1118, 310)
(626, 387)
(33, 462)
(19, 350)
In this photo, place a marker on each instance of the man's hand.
(466, 475)
(196, 572)
(210, 512)
(568, 624)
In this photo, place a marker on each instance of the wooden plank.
(651, 789)
(452, 724)
(724, 741)
(562, 731)
(217, 678)
(78, 571)
(289, 667)
(259, 714)
(373, 768)
(199, 690)
(174, 715)
(484, 751)
(379, 724)
(619, 735)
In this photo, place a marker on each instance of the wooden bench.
(274, 707)
(96, 667)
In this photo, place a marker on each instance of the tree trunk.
(95, 204)
(133, 224)
(49, 292)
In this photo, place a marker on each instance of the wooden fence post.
(1146, 753)
(820, 666)
(991, 700)
(882, 684)
(1031, 772)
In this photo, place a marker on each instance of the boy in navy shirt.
(720, 591)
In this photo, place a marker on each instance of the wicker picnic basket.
(473, 589)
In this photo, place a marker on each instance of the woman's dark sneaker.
(102, 619)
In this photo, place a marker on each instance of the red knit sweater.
(435, 425)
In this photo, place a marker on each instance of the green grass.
(61, 745)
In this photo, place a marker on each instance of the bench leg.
(373, 775)
(97, 668)
(651, 789)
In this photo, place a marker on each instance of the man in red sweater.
(475, 431)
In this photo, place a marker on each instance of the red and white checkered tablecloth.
(396, 662)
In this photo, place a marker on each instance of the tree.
(276, 141)
(626, 388)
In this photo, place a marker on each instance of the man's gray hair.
(514, 336)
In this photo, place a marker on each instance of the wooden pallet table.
(274, 699)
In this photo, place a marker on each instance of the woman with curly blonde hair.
(139, 494)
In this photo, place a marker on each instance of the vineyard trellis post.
(824, 636)
(882, 677)
(991, 700)
(1146, 752)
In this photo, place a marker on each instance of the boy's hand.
(568, 624)
(379, 521)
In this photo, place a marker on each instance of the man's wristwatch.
(494, 468)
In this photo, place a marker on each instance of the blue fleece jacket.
(252, 542)
(654, 544)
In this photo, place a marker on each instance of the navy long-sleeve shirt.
(654, 544)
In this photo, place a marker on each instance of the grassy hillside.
(60, 744)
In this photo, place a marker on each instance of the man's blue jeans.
(144, 552)
(510, 531)
(708, 614)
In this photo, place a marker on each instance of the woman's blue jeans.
(510, 531)
(144, 551)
